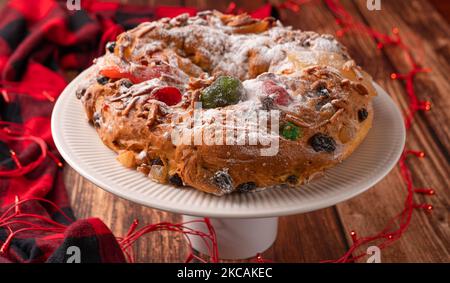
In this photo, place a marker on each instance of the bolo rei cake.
(154, 80)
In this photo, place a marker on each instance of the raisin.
(320, 87)
(157, 161)
(126, 83)
(102, 80)
(362, 114)
(176, 180)
(292, 179)
(110, 46)
(80, 93)
(96, 118)
(323, 91)
(223, 181)
(246, 187)
(322, 142)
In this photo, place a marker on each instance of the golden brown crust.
(329, 100)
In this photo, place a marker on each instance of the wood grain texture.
(428, 237)
(324, 234)
(443, 7)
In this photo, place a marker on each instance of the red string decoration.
(16, 133)
(12, 132)
(5, 95)
(208, 238)
(260, 259)
(389, 234)
(16, 222)
(17, 87)
(293, 5)
(348, 24)
(48, 96)
(13, 217)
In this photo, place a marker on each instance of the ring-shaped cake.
(228, 103)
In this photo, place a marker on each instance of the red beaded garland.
(347, 23)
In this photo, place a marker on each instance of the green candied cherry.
(291, 131)
(222, 92)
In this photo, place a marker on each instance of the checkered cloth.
(38, 40)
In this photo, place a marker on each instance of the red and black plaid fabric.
(39, 40)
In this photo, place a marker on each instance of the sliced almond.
(256, 27)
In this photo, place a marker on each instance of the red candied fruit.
(281, 96)
(169, 95)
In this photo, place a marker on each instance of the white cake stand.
(245, 223)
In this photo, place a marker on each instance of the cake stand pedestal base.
(236, 238)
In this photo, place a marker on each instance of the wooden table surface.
(324, 234)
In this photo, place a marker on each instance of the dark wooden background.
(324, 234)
